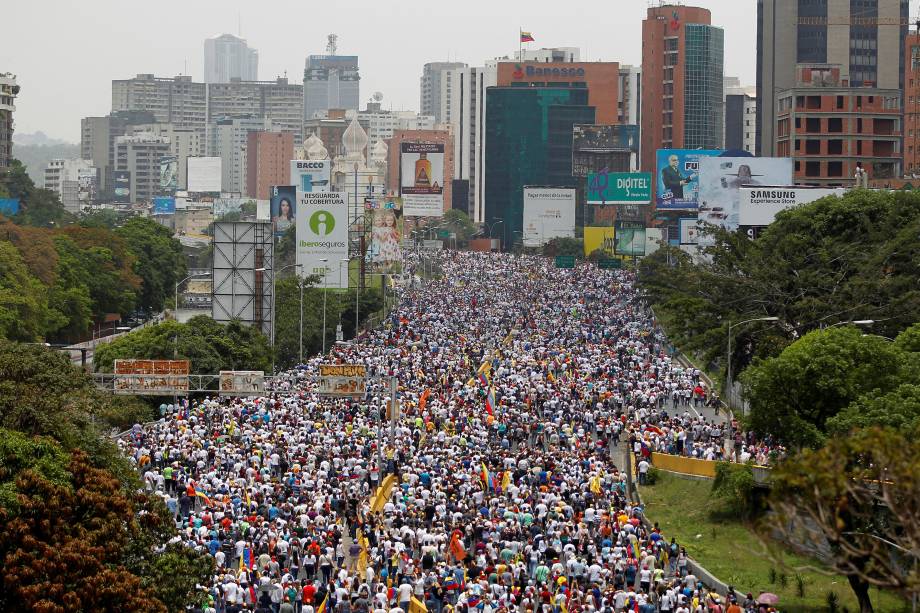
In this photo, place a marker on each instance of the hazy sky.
(66, 52)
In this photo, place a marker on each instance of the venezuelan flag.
(485, 476)
(322, 607)
(490, 402)
(527, 37)
(203, 496)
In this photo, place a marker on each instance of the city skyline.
(83, 77)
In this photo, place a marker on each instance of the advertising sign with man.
(677, 177)
(322, 234)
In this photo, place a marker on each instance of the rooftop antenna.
(332, 44)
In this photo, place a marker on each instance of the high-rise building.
(467, 124)
(381, 124)
(911, 101)
(529, 135)
(227, 57)
(178, 101)
(97, 141)
(228, 138)
(330, 82)
(140, 155)
(184, 143)
(601, 79)
(279, 101)
(827, 128)
(629, 102)
(863, 40)
(435, 87)
(682, 59)
(74, 181)
(268, 161)
(740, 115)
(8, 92)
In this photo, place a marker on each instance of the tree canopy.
(857, 497)
(75, 531)
(209, 345)
(834, 260)
(793, 395)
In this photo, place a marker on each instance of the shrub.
(733, 487)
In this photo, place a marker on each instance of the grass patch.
(733, 553)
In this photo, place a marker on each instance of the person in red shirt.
(309, 591)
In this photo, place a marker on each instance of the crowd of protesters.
(521, 388)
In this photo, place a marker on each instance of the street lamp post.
(325, 285)
(274, 317)
(491, 228)
(728, 356)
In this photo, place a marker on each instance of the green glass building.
(703, 114)
(528, 142)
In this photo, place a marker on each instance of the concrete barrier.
(681, 464)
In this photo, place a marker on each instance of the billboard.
(421, 171)
(322, 233)
(549, 212)
(152, 377)
(721, 180)
(169, 175)
(9, 206)
(121, 186)
(689, 232)
(619, 188)
(204, 174)
(599, 238)
(758, 206)
(630, 238)
(384, 254)
(595, 147)
(342, 379)
(311, 175)
(242, 383)
(283, 207)
(164, 205)
(677, 177)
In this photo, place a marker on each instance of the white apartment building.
(184, 143)
(140, 154)
(74, 181)
(466, 98)
(227, 139)
(431, 87)
(380, 124)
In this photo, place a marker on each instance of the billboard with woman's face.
(283, 207)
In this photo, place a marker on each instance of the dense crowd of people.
(521, 388)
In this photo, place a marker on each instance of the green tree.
(106, 218)
(210, 346)
(458, 222)
(829, 261)
(38, 207)
(565, 246)
(159, 263)
(858, 497)
(24, 313)
(794, 394)
(898, 408)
